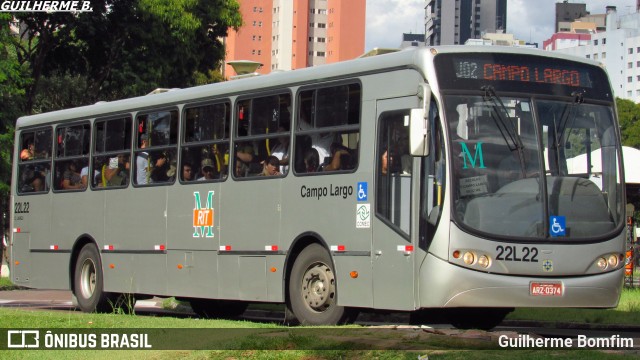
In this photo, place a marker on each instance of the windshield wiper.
(500, 116)
(577, 100)
(568, 115)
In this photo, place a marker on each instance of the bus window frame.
(183, 143)
(136, 144)
(23, 163)
(63, 159)
(95, 153)
(313, 130)
(237, 139)
(382, 121)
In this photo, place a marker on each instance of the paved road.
(58, 300)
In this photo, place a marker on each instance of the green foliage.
(127, 50)
(6, 153)
(178, 14)
(56, 92)
(123, 48)
(629, 117)
(212, 76)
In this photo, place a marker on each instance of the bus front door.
(395, 186)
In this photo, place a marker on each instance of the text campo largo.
(526, 74)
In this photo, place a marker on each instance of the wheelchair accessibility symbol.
(362, 192)
(557, 226)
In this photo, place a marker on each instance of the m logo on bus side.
(203, 217)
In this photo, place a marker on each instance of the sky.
(529, 20)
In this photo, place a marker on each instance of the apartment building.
(294, 34)
(453, 22)
(617, 48)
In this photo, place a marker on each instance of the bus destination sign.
(521, 73)
(528, 73)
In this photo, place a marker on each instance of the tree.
(13, 81)
(124, 48)
(39, 34)
(629, 117)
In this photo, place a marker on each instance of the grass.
(245, 339)
(6, 284)
(242, 339)
(626, 313)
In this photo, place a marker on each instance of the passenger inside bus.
(281, 150)
(187, 172)
(244, 157)
(116, 171)
(271, 167)
(71, 179)
(28, 153)
(144, 172)
(311, 161)
(241, 169)
(207, 169)
(340, 158)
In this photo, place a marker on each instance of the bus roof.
(415, 58)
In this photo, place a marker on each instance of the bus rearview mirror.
(419, 124)
(419, 128)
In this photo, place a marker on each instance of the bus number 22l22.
(21, 207)
(511, 253)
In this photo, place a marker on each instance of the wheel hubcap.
(88, 278)
(318, 287)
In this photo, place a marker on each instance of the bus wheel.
(221, 309)
(312, 289)
(88, 282)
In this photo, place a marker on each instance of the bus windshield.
(534, 169)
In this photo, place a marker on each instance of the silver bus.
(464, 181)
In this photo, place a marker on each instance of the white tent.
(631, 157)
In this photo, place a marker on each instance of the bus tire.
(312, 289)
(89, 282)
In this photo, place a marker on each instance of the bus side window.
(262, 136)
(394, 171)
(205, 153)
(72, 156)
(111, 167)
(156, 153)
(34, 169)
(328, 128)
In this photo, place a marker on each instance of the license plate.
(545, 289)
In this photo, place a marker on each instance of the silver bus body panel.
(448, 285)
(547, 260)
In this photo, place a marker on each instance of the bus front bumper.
(447, 285)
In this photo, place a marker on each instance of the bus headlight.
(484, 261)
(469, 258)
(613, 260)
(601, 263)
